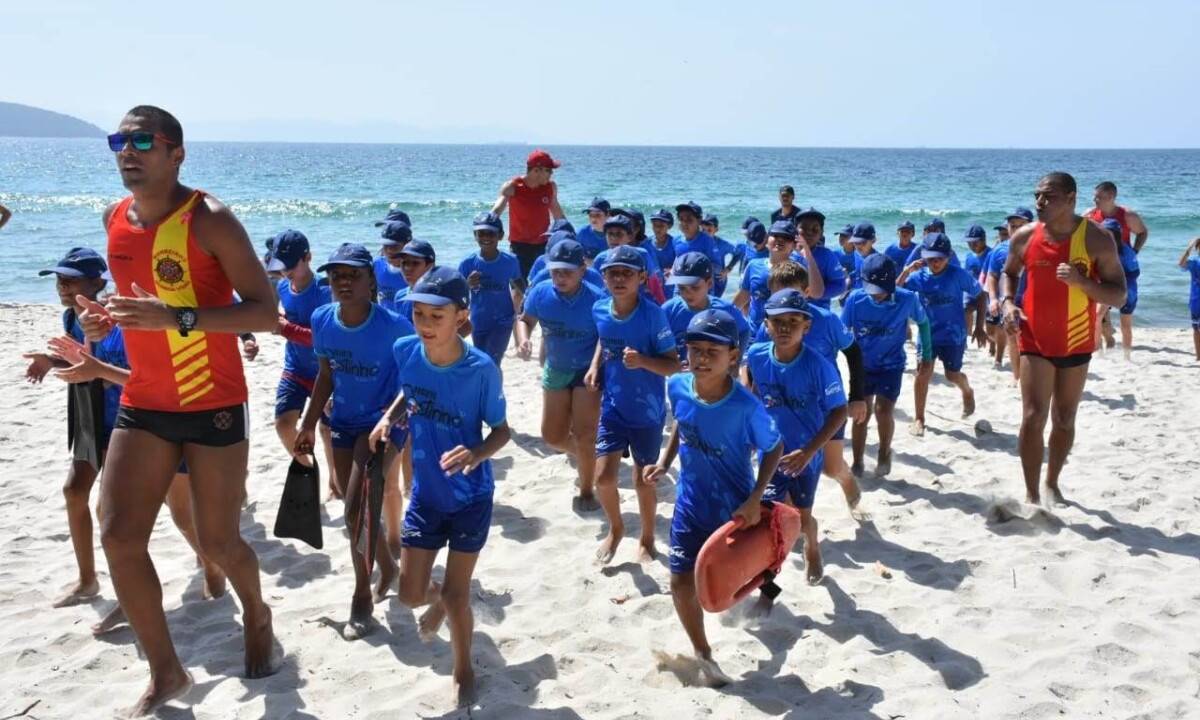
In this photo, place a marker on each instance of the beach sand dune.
(954, 601)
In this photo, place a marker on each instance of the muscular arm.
(556, 210)
(1136, 226)
(506, 191)
(220, 234)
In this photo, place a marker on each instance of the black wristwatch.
(186, 317)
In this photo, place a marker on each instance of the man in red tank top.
(1070, 265)
(1106, 207)
(177, 257)
(532, 200)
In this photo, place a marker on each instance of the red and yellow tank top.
(529, 212)
(169, 372)
(1060, 319)
(1119, 216)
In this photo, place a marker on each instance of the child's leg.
(1014, 360)
(1127, 334)
(648, 513)
(1001, 338)
(350, 467)
(585, 414)
(337, 487)
(388, 550)
(1101, 331)
(834, 465)
(286, 430)
(77, 492)
(887, 427)
(416, 588)
(959, 378)
(179, 504)
(858, 437)
(920, 395)
(1196, 341)
(814, 568)
(406, 466)
(691, 616)
(455, 605)
(607, 466)
(556, 420)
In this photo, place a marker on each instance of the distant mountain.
(25, 121)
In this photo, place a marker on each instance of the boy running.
(693, 278)
(497, 286)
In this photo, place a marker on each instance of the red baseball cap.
(541, 158)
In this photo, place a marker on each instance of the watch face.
(187, 319)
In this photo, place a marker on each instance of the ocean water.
(57, 189)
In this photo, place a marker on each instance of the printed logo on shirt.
(871, 330)
(774, 396)
(833, 388)
(423, 403)
(689, 435)
(342, 361)
(169, 270)
(558, 329)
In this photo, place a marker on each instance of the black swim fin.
(300, 507)
(371, 516)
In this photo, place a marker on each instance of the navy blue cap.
(565, 255)
(396, 232)
(488, 221)
(783, 228)
(935, 225)
(351, 254)
(747, 222)
(756, 233)
(713, 325)
(599, 204)
(663, 215)
(811, 212)
(619, 221)
(788, 300)
(624, 256)
(690, 268)
(691, 207)
(862, 232)
(975, 232)
(394, 215)
(879, 274)
(421, 249)
(560, 224)
(441, 286)
(710, 219)
(1000, 227)
(558, 236)
(1021, 212)
(79, 262)
(907, 225)
(635, 216)
(1112, 225)
(936, 245)
(847, 230)
(290, 248)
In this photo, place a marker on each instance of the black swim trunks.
(1066, 362)
(215, 428)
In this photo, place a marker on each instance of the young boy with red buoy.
(718, 422)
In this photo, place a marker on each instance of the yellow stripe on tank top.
(172, 238)
(1078, 322)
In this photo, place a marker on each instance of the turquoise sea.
(58, 188)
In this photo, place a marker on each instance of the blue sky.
(845, 73)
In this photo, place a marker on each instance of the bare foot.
(1033, 498)
(161, 691)
(1056, 496)
(388, 571)
(646, 552)
(608, 547)
(464, 688)
(883, 465)
(585, 503)
(214, 581)
(79, 593)
(968, 403)
(710, 671)
(361, 622)
(857, 469)
(431, 621)
(917, 428)
(260, 645)
(113, 620)
(814, 567)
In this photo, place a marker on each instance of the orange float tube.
(736, 561)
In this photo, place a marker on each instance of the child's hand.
(652, 473)
(750, 512)
(305, 439)
(857, 411)
(916, 265)
(632, 359)
(980, 336)
(793, 463)
(39, 365)
(474, 279)
(591, 379)
(379, 434)
(459, 460)
(84, 369)
(525, 350)
(65, 347)
(94, 320)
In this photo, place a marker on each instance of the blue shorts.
(466, 530)
(802, 488)
(950, 355)
(885, 383)
(345, 438)
(643, 443)
(493, 340)
(685, 543)
(290, 395)
(1131, 298)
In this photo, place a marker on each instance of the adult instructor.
(1070, 265)
(532, 200)
(177, 255)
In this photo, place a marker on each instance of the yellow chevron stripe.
(197, 379)
(191, 352)
(196, 395)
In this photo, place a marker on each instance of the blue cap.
(351, 254)
(714, 326)
(756, 233)
(1003, 226)
(290, 248)
(394, 215)
(79, 262)
(748, 221)
(862, 232)
(935, 245)
(488, 221)
(635, 216)
(879, 274)
(1021, 212)
(847, 231)
(907, 225)
(599, 204)
(565, 255)
(558, 236)
(935, 225)
(441, 286)
(663, 215)
(396, 232)
(691, 207)
(560, 224)
(788, 300)
(783, 228)
(975, 232)
(690, 268)
(710, 219)
(1112, 225)
(421, 249)
(619, 221)
(811, 213)
(624, 256)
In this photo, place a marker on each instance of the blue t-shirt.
(831, 273)
(826, 336)
(633, 398)
(447, 407)
(590, 276)
(679, 315)
(915, 255)
(977, 264)
(879, 328)
(748, 253)
(846, 260)
(726, 251)
(389, 279)
(567, 323)
(300, 361)
(715, 441)
(1193, 268)
(900, 255)
(491, 304)
(110, 350)
(664, 255)
(798, 395)
(996, 261)
(364, 374)
(593, 242)
(756, 282)
(942, 297)
(856, 274)
(401, 305)
(701, 242)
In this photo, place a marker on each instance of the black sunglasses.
(142, 141)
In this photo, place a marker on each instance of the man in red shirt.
(532, 200)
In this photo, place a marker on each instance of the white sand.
(1089, 612)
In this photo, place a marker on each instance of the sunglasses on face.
(142, 141)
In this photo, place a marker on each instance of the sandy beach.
(954, 601)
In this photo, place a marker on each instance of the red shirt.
(1060, 319)
(529, 212)
(1119, 216)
